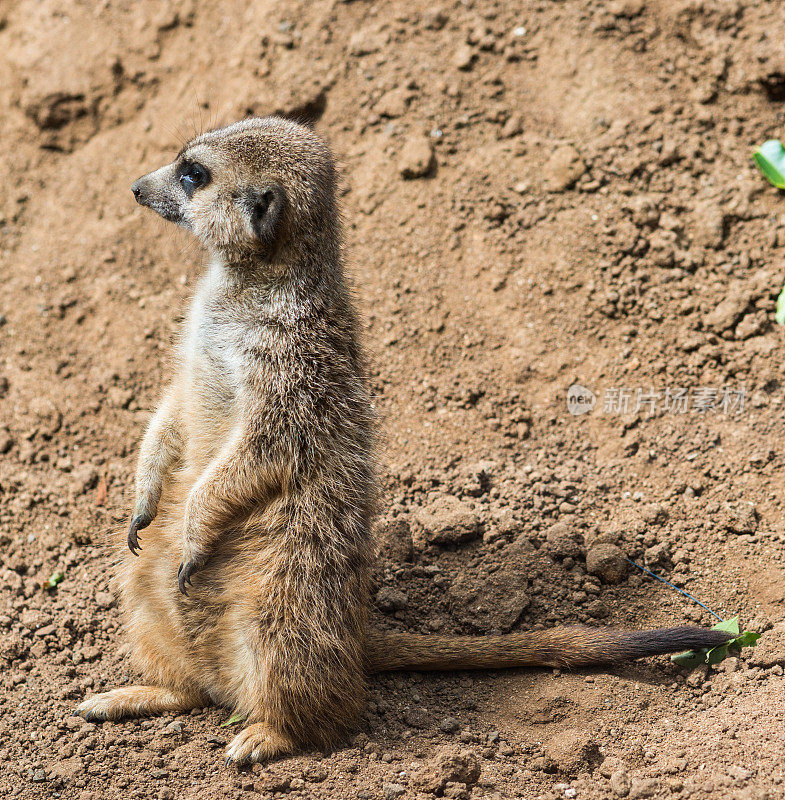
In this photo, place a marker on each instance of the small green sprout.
(53, 580)
(233, 720)
(769, 158)
(780, 313)
(713, 655)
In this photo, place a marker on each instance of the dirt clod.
(740, 518)
(573, 751)
(643, 787)
(620, 783)
(494, 602)
(563, 168)
(389, 598)
(727, 313)
(445, 520)
(450, 765)
(709, 224)
(770, 650)
(562, 540)
(417, 159)
(607, 562)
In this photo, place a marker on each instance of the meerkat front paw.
(138, 523)
(194, 558)
(256, 743)
(195, 543)
(187, 568)
(145, 509)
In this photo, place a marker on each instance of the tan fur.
(256, 486)
(574, 646)
(256, 473)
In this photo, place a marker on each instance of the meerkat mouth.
(170, 214)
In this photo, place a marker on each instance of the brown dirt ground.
(592, 217)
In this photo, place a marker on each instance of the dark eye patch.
(192, 176)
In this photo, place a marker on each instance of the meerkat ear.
(267, 205)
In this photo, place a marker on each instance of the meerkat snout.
(164, 192)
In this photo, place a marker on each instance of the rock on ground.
(445, 520)
(607, 562)
(493, 602)
(573, 751)
(563, 168)
(449, 765)
(417, 159)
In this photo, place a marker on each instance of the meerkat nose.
(137, 190)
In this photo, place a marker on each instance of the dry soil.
(537, 194)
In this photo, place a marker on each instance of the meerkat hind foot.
(257, 742)
(137, 701)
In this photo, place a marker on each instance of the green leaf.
(690, 659)
(769, 158)
(717, 654)
(779, 315)
(728, 626)
(233, 720)
(53, 580)
(747, 639)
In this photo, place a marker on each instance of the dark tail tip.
(673, 640)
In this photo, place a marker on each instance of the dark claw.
(181, 580)
(138, 523)
(186, 572)
(228, 761)
(184, 576)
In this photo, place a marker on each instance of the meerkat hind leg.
(257, 742)
(137, 701)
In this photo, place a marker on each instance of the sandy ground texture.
(537, 194)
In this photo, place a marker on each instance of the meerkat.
(256, 484)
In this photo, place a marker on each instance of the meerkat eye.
(193, 176)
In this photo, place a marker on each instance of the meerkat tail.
(557, 647)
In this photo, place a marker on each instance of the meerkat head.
(255, 188)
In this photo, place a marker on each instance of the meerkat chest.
(211, 353)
